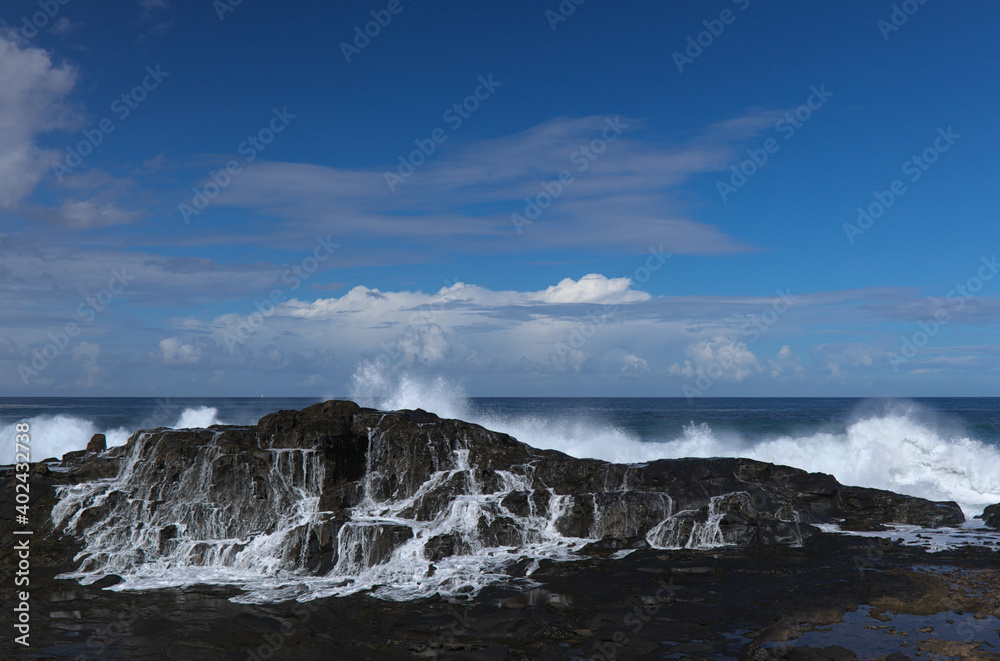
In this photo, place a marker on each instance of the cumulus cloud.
(785, 363)
(33, 100)
(174, 352)
(843, 359)
(459, 326)
(591, 288)
(633, 363)
(423, 344)
(721, 358)
(365, 303)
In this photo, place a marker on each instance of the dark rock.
(861, 525)
(729, 602)
(74, 456)
(168, 539)
(107, 581)
(887, 507)
(205, 493)
(991, 517)
(371, 544)
(803, 653)
(833, 653)
(98, 443)
(339, 489)
(441, 546)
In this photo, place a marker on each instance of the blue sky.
(608, 201)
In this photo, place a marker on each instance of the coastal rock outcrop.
(367, 498)
(991, 517)
(98, 443)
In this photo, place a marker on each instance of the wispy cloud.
(464, 197)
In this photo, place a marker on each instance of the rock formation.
(98, 443)
(368, 498)
(991, 517)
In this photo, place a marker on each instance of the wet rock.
(717, 603)
(991, 517)
(441, 546)
(75, 456)
(98, 443)
(364, 545)
(168, 539)
(861, 525)
(803, 653)
(207, 493)
(107, 581)
(882, 506)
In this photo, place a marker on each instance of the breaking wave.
(900, 449)
(52, 436)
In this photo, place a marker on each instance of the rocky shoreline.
(695, 558)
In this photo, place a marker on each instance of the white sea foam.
(199, 418)
(900, 448)
(197, 528)
(55, 435)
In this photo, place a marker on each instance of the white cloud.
(844, 359)
(721, 358)
(459, 325)
(33, 101)
(83, 214)
(633, 363)
(785, 363)
(174, 352)
(592, 288)
(464, 197)
(86, 356)
(365, 303)
(423, 344)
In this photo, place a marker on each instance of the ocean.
(940, 448)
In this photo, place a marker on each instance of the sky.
(543, 198)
